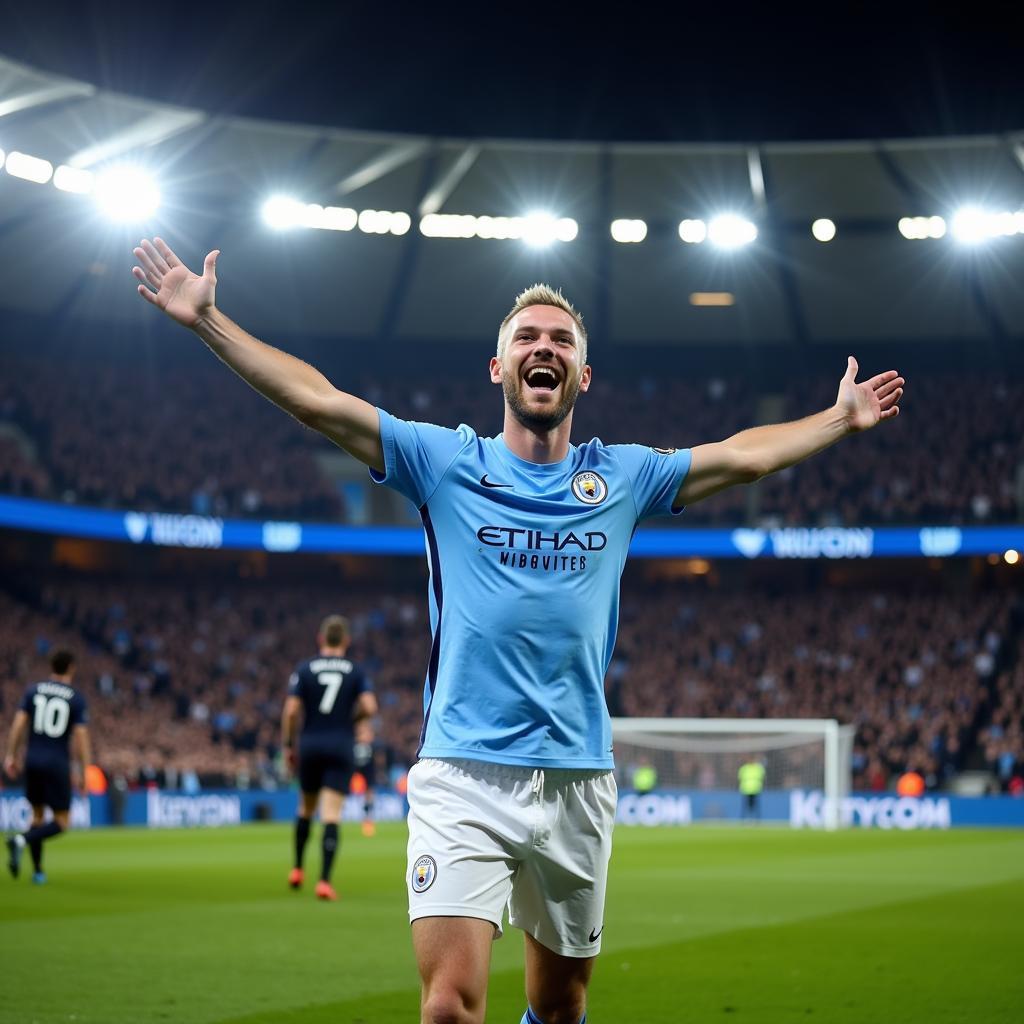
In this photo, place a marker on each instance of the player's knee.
(445, 1004)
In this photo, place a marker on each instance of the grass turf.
(703, 924)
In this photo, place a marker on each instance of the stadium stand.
(183, 439)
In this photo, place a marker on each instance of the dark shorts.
(48, 785)
(321, 770)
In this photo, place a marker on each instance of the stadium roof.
(61, 257)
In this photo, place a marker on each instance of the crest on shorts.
(664, 451)
(424, 871)
(589, 487)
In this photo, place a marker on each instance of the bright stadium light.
(30, 168)
(823, 229)
(399, 223)
(539, 229)
(566, 229)
(73, 179)
(126, 194)
(971, 225)
(627, 231)
(727, 231)
(916, 228)
(281, 212)
(1011, 557)
(338, 218)
(693, 231)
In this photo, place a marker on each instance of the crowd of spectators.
(195, 439)
(186, 680)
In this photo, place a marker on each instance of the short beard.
(540, 421)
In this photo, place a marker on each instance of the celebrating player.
(53, 716)
(330, 695)
(513, 798)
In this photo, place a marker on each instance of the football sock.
(301, 837)
(34, 840)
(368, 808)
(329, 845)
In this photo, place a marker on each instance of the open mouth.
(541, 378)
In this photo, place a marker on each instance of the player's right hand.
(11, 767)
(168, 284)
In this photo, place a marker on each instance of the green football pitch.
(702, 924)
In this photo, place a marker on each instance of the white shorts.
(483, 836)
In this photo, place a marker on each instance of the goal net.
(706, 754)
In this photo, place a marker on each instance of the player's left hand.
(868, 403)
(11, 767)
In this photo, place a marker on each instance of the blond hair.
(544, 295)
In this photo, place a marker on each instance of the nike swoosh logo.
(488, 483)
(593, 937)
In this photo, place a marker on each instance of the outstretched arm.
(297, 387)
(752, 454)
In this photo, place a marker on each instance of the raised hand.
(868, 403)
(169, 285)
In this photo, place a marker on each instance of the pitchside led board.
(799, 808)
(193, 531)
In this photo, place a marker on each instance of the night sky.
(749, 73)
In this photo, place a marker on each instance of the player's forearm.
(773, 447)
(83, 750)
(14, 738)
(288, 382)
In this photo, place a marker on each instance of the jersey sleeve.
(26, 699)
(416, 455)
(79, 711)
(295, 683)
(363, 682)
(655, 476)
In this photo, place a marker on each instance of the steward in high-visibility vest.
(751, 776)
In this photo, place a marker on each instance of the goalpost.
(706, 753)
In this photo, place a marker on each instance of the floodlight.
(31, 168)
(728, 231)
(566, 229)
(539, 229)
(627, 231)
(399, 223)
(971, 225)
(693, 231)
(1011, 557)
(823, 229)
(126, 193)
(338, 218)
(73, 179)
(281, 212)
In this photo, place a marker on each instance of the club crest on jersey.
(664, 451)
(424, 871)
(589, 487)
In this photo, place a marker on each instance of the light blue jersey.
(525, 561)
